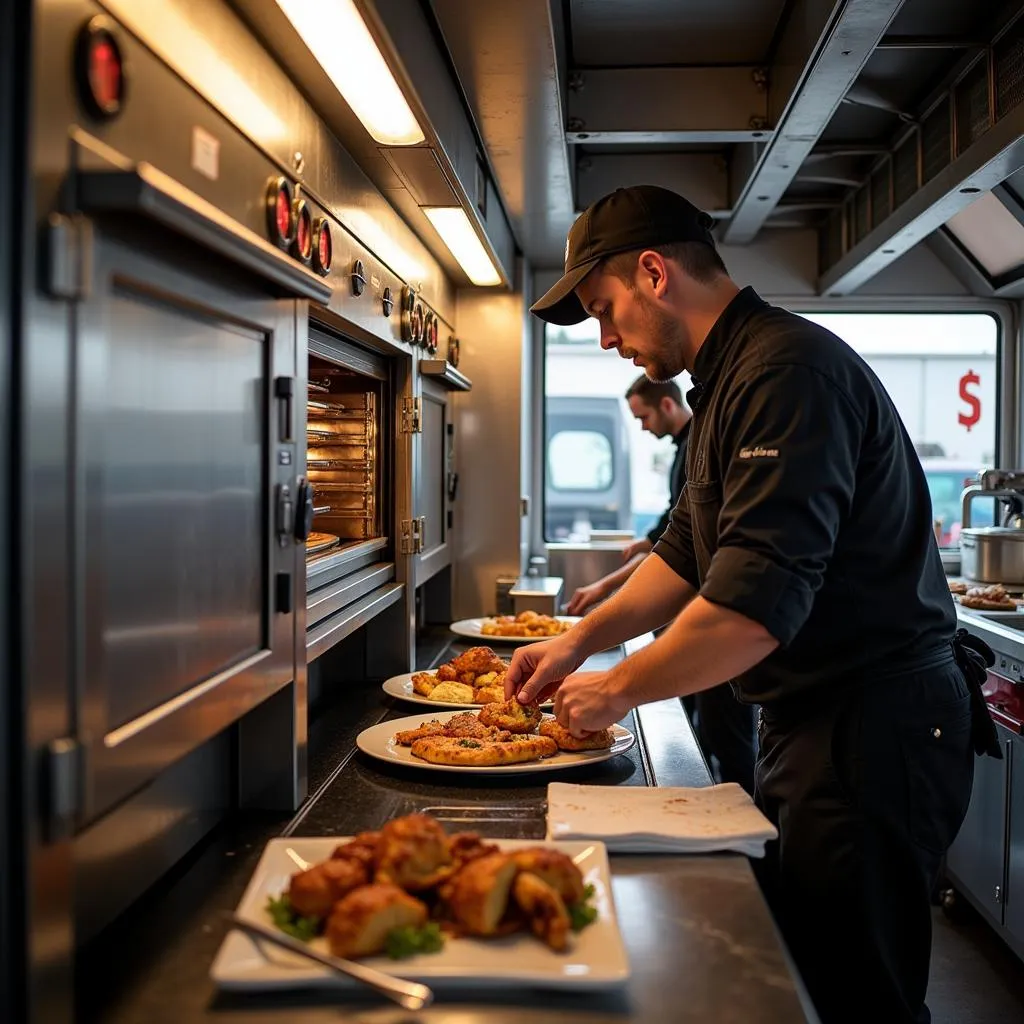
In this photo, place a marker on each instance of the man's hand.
(585, 597)
(537, 670)
(639, 547)
(589, 701)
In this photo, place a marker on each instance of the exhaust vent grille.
(973, 117)
(1008, 57)
(936, 151)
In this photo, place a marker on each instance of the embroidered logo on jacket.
(759, 453)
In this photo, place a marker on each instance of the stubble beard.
(667, 336)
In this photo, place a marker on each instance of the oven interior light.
(336, 35)
(452, 224)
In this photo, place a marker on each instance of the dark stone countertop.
(701, 941)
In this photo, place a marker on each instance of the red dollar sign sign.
(968, 419)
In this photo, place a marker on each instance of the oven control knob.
(358, 278)
(453, 351)
(429, 329)
(304, 510)
(417, 324)
(408, 307)
(387, 302)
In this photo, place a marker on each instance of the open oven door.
(188, 543)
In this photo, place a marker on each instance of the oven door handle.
(147, 192)
(304, 511)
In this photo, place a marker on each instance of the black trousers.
(867, 792)
(726, 729)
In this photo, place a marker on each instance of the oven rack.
(346, 513)
(342, 488)
(364, 465)
(322, 438)
(330, 411)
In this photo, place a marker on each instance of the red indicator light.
(283, 214)
(280, 216)
(323, 247)
(99, 68)
(303, 247)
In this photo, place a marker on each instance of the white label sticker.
(205, 153)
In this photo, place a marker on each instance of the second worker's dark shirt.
(676, 482)
(805, 507)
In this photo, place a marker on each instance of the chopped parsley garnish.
(408, 941)
(290, 922)
(468, 743)
(583, 913)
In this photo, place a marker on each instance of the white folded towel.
(636, 819)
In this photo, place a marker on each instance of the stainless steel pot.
(992, 554)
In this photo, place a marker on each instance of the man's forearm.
(651, 596)
(705, 646)
(616, 579)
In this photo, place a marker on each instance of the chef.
(802, 567)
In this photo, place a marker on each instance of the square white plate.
(596, 957)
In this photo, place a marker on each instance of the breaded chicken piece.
(489, 695)
(407, 737)
(478, 661)
(467, 846)
(413, 853)
(544, 909)
(314, 892)
(362, 849)
(511, 715)
(359, 924)
(478, 895)
(555, 868)
(474, 753)
(446, 674)
(600, 740)
(423, 683)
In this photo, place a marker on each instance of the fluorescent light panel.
(452, 224)
(338, 38)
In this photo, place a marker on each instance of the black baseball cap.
(639, 217)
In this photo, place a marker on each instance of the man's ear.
(654, 272)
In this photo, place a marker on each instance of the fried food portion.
(958, 587)
(446, 674)
(993, 599)
(489, 695)
(412, 852)
(314, 892)
(478, 895)
(467, 846)
(476, 753)
(524, 624)
(453, 693)
(600, 740)
(544, 909)
(464, 726)
(407, 737)
(360, 923)
(554, 868)
(423, 683)
(511, 715)
(362, 849)
(478, 660)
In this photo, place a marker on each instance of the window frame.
(1009, 440)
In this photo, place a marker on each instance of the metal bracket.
(63, 794)
(412, 416)
(413, 531)
(68, 246)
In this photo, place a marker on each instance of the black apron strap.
(974, 657)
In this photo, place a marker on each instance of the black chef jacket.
(676, 480)
(806, 508)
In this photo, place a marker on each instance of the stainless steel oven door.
(435, 481)
(185, 455)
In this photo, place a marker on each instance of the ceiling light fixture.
(452, 224)
(338, 38)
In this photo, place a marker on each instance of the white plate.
(471, 628)
(401, 687)
(378, 741)
(596, 959)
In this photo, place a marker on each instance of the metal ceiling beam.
(898, 42)
(996, 155)
(657, 105)
(823, 49)
(701, 177)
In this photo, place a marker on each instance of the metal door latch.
(412, 416)
(69, 245)
(413, 531)
(63, 787)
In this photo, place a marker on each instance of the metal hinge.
(413, 531)
(63, 791)
(412, 416)
(68, 256)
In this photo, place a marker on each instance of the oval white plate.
(401, 687)
(471, 628)
(378, 742)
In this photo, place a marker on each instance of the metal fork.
(408, 994)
